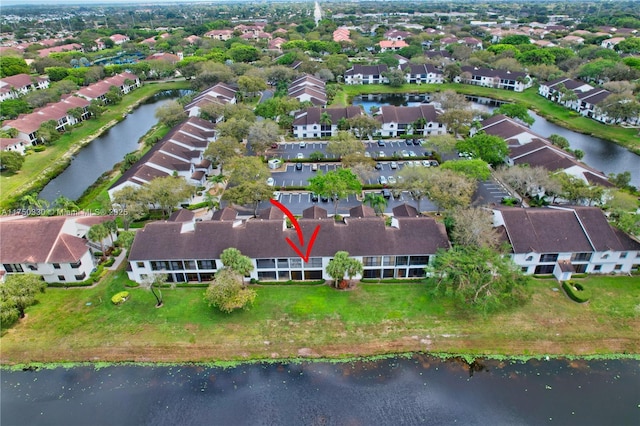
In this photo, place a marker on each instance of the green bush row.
(198, 205)
(392, 280)
(288, 282)
(576, 291)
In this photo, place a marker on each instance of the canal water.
(600, 154)
(420, 390)
(105, 151)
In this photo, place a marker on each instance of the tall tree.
(223, 150)
(376, 201)
(479, 279)
(515, 110)
(474, 168)
(342, 265)
(11, 161)
(450, 190)
(337, 184)
(248, 193)
(227, 293)
(233, 259)
(343, 144)
(17, 293)
(98, 233)
(363, 125)
(166, 192)
(416, 181)
(261, 135)
(153, 283)
(132, 203)
(492, 149)
(473, 227)
(171, 113)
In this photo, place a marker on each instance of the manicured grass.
(83, 324)
(550, 110)
(40, 167)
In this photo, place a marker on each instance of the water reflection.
(416, 390)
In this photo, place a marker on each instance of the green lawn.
(40, 167)
(550, 110)
(83, 324)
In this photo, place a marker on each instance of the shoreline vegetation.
(318, 323)
(41, 167)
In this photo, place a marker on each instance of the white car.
(382, 180)
(412, 154)
(300, 156)
(391, 180)
(404, 153)
(270, 181)
(303, 144)
(393, 165)
(426, 163)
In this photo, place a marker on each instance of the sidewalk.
(121, 257)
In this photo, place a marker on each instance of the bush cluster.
(119, 298)
(576, 291)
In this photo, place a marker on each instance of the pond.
(417, 390)
(600, 154)
(105, 151)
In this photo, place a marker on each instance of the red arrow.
(293, 220)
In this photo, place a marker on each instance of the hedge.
(393, 280)
(119, 298)
(576, 291)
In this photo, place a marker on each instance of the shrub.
(109, 262)
(120, 298)
(39, 148)
(576, 291)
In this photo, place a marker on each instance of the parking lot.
(290, 150)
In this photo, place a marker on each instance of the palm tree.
(98, 233)
(376, 201)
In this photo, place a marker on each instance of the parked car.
(404, 153)
(324, 198)
(298, 166)
(426, 163)
(314, 167)
(314, 197)
(434, 163)
(381, 142)
(303, 144)
(386, 193)
(381, 154)
(408, 163)
(412, 154)
(274, 145)
(300, 156)
(416, 142)
(378, 166)
(393, 165)
(391, 180)
(382, 180)
(270, 181)
(408, 142)
(367, 154)
(276, 195)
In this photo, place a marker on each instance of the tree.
(474, 168)
(528, 181)
(97, 233)
(478, 279)
(450, 99)
(11, 161)
(473, 227)
(48, 133)
(450, 190)
(516, 110)
(113, 95)
(12, 108)
(236, 128)
(243, 53)
(234, 260)
(559, 141)
(395, 77)
(155, 281)
(444, 144)
(363, 125)
(342, 265)
(223, 150)
(577, 191)
(226, 292)
(131, 201)
(343, 144)
(248, 193)
(17, 293)
(251, 85)
(337, 184)
(171, 113)
(376, 201)
(621, 180)
(629, 45)
(492, 149)
(65, 204)
(248, 169)
(12, 65)
(416, 181)
(362, 166)
(620, 107)
(457, 120)
(167, 192)
(212, 111)
(261, 135)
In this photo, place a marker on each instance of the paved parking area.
(290, 150)
(489, 192)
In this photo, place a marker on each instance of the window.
(32, 267)
(529, 258)
(140, 264)
(266, 263)
(389, 260)
(61, 278)
(206, 264)
(419, 260)
(312, 275)
(12, 267)
(549, 257)
(581, 257)
(176, 265)
(314, 262)
(295, 262)
(81, 277)
(371, 273)
(76, 265)
(189, 264)
(605, 256)
(416, 272)
(544, 269)
(283, 263)
(580, 268)
(524, 269)
(283, 275)
(402, 260)
(387, 273)
(597, 268)
(371, 261)
(617, 267)
(56, 266)
(623, 255)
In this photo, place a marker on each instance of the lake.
(600, 154)
(418, 390)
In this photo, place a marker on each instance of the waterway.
(600, 154)
(396, 391)
(105, 151)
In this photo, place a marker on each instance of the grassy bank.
(551, 111)
(83, 325)
(40, 167)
